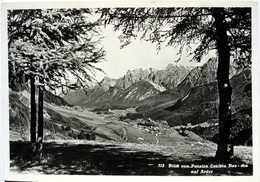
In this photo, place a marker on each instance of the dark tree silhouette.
(226, 30)
(48, 48)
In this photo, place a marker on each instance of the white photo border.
(6, 5)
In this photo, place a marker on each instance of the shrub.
(72, 134)
(133, 116)
(81, 135)
(68, 128)
(242, 128)
(62, 128)
(90, 136)
(86, 136)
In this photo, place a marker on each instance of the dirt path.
(157, 141)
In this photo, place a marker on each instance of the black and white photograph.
(130, 91)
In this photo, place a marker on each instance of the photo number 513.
(161, 165)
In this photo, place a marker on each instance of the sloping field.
(84, 115)
(110, 128)
(104, 128)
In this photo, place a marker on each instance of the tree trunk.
(33, 111)
(225, 146)
(40, 121)
(33, 120)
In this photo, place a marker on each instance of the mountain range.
(139, 85)
(177, 94)
(135, 86)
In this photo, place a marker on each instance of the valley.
(177, 95)
(145, 118)
(112, 125)
(121, 147)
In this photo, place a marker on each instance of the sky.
(138, 54)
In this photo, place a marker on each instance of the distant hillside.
(178, 95)
(203, 75)
(200, 105)
(55, 99)
(48, 96)
(79, 97)
(19, 113)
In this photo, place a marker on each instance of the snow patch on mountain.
(158, 87)
(130, 94)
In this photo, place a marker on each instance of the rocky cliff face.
(135, 85)
(132, 77)
(139, 91)
(205, 74)
(169, 77)
(142, 84)
(107, 82)
(172, 76)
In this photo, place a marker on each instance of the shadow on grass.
(114, 160)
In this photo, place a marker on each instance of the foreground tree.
(227, 30)
(49, 48)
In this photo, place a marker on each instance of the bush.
(182, 131)
(52, 127)
(208, 133)
(68, 128)
(72, 134)
(62, 128)
(133, 116)
(90, 136)
(242, 128)
(86, 136)
(81, 135)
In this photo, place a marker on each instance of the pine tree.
(226, 30)
(48, 48)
